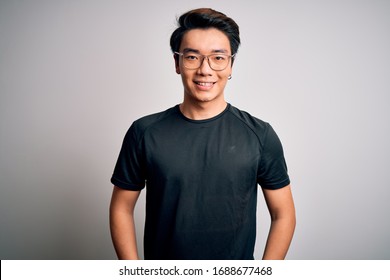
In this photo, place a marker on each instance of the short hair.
(206, 18)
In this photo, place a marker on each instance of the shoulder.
(259, 127)
(248, 119)
(143, 123)
(138, 128)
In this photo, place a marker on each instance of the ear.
(176, 58)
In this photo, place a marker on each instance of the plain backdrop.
(74, 75)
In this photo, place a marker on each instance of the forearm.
(279, 238)
(123, 235)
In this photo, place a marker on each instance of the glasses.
(217, 62)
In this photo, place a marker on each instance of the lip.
(204, 85)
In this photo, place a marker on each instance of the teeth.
(204, 84)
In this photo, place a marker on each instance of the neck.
(202, 110)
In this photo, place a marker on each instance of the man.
(201, 162)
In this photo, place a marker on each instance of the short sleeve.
(129, 172)
(272, 169)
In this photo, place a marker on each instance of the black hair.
(205, 18)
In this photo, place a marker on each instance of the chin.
(207, 98)
(203, 96)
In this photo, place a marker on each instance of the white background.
(75, 74)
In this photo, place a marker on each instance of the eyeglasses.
(217, 62)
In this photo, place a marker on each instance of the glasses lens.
(192, 61)
(218, 61)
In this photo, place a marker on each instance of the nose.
(204, 68)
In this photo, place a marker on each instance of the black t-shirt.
(201, 181)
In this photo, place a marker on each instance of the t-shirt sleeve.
(128, 173)
(272, 171)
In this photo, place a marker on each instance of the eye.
(191, 57)
(219, 58)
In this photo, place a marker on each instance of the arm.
(122, 223)
(281, 207)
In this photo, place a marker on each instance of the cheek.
(227, 72)
(185, 79)
(186, 74)
(225, 76)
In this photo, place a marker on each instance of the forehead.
(205, 40)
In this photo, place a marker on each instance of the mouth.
(204, 86)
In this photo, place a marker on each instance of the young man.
(201, 162)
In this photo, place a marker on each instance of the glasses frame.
(208, 61)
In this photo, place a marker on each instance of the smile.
(205, 84)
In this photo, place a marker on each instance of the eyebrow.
(187, 50)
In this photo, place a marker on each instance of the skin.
(203, 99)
(122, 223)
(203, 102)
(281, 208)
